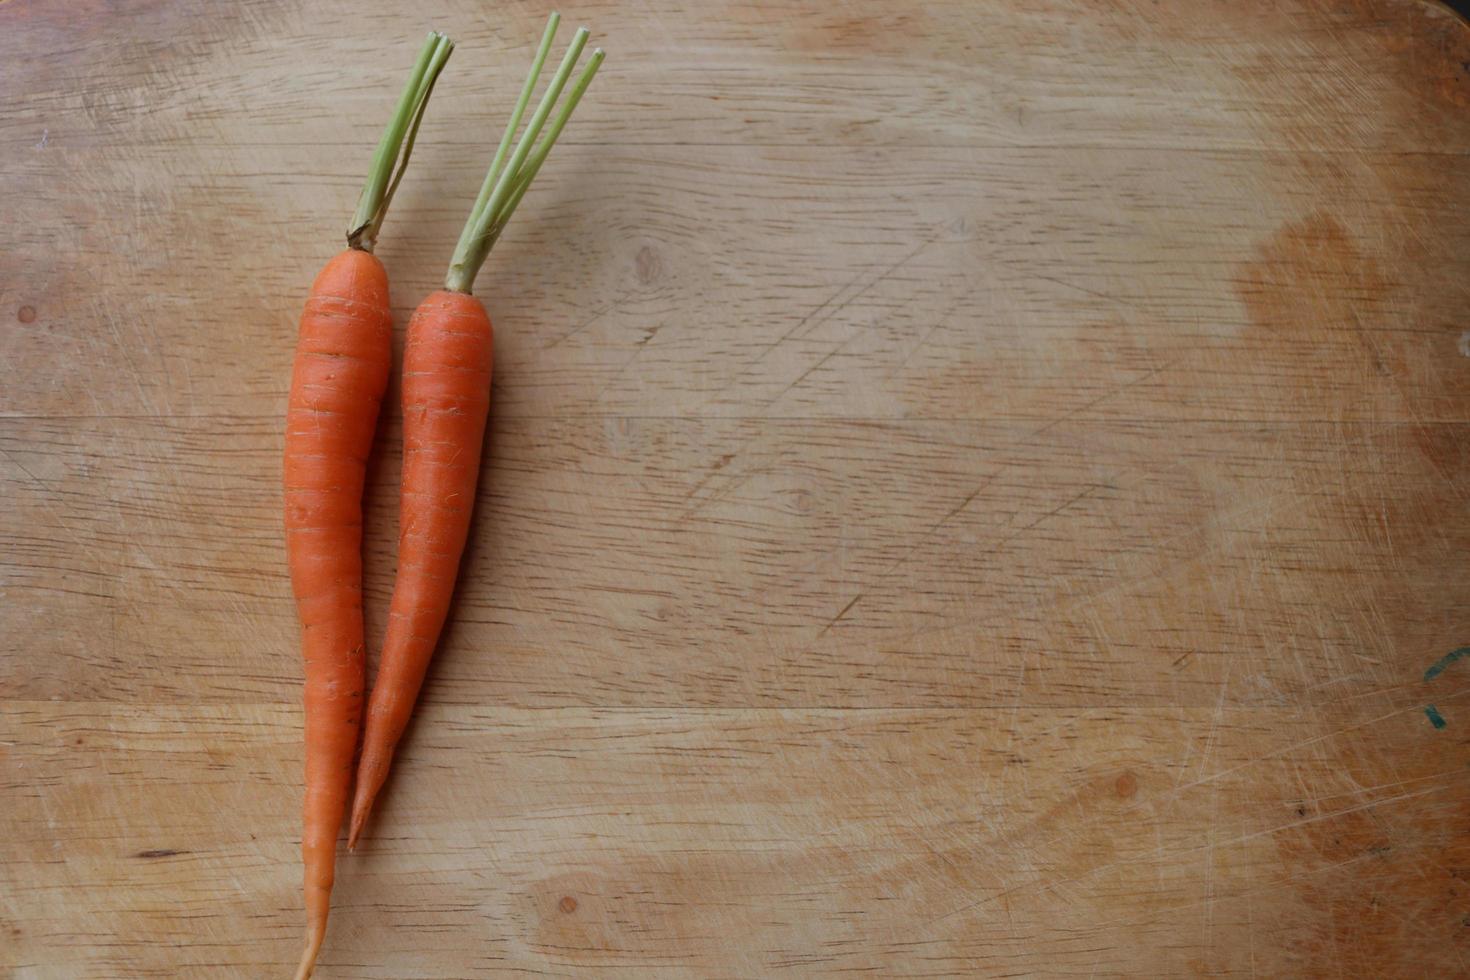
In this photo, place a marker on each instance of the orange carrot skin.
(343, 354)
(447, 360)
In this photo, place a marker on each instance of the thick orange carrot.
(342, 360)
(343, 353)
(446, 399)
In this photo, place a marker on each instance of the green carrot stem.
(543, 150)
(510, 130)
(396, 146)
(488, 217)
(441, 55)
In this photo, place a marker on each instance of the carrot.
(343, 353)
(446, 399)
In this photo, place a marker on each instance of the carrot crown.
(397, 143)
(506, 182)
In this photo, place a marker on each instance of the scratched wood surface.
(974, 489)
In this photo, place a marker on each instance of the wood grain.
(972, 490)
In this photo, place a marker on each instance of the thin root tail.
(308, 956)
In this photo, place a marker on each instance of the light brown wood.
(974, 489)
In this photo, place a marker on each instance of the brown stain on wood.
(1314, 297)
(1433, 44)
(1368, 904)
(1309, 275)
(1312, 287)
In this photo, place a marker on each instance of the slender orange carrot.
(446, 399)
(343, 353)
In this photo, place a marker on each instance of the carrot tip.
(308, 955)
(359, 820)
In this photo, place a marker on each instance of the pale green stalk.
(539, 155)
(470, 254)
(441, 55)
(510, 130)
(383, 176)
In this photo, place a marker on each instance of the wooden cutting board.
(975, 489)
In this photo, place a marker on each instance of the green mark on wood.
(1430, 711)
(1445, 661)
